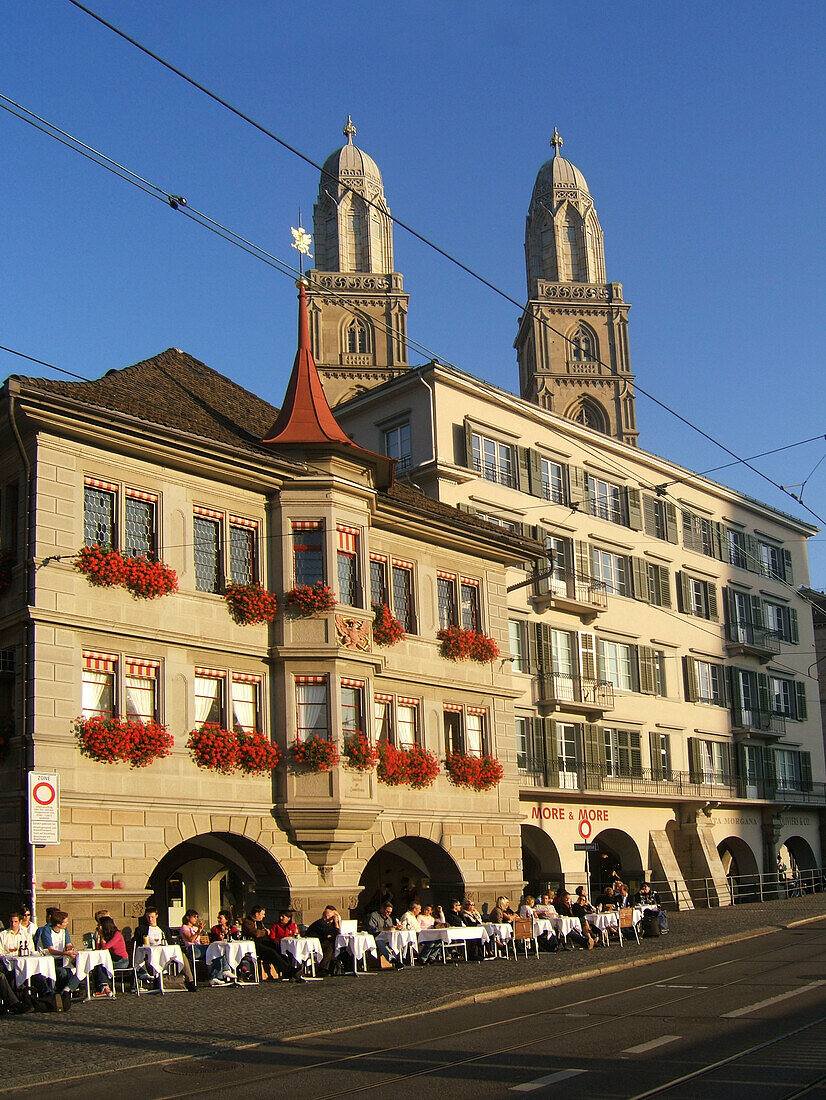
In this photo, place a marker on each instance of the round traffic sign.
(43, 793)
(585, 828)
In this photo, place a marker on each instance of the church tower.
(357, 304)
(572, 344)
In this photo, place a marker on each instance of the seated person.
(225, 929)
(411, 921)
(472, 918)
(607, 900)
(16, 936)
(149, 932)
(382, 921)
(526, 909)
(544, 907)
(109, 938)
(284, 966)
(53, 939)
(430, 950)
(192, 934)
(269, 953)
(325, 930)
(622, 896)
(645, 896)
(581, 907)
(16, 1003)
(502, 913)
(580, 937)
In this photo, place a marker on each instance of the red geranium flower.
(311, 599)
(387, 630)
(359, 752)
(250, 603)
(480, 773)
(458, 644)
(317, 754)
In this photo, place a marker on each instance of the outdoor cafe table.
(565, 925)
(85, 963)
(303, 949)
(454, 935)
(359, 944)
(24, 967)
(159, 957)
(233, 951)
(401, 941)
(543, 926)
(500, 933)
(604, 922)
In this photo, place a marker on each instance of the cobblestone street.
(104, 1035)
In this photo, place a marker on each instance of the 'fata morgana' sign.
(44, 808)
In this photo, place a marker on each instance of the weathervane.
(301, 243)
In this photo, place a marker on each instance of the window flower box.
(458, 644)
(311, 599)
(250, 603)
(359, 753)
(413, 767)
(387, 630)
(318, 754)
(214, 748)
(115, 740)
(257, 755)
(480, 773)
(143, 578)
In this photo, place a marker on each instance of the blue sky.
(698, 127)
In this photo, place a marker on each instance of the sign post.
(44, 808)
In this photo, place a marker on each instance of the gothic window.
(590, 414)
(583, 345)
(572, 262)
(357, 337)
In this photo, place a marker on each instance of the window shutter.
(769, 772)
(806, 771)
(735, 686)
(594, 746)
(690, 676)
(711, 591)
(535, 473)
(683, 593)
(665, 585)
(544, 657)
(522, 470)
(731, 612)
(634, 509)
(649, 517)
(537, 758)
(635, 753)
(579, 489)
(764, 699)
(639, 568)
(752, 554)
(801, 712)
(655, 756)
(671, 532)
(720, 542)
(583, 561)
(794, 636)
(756, 611)
(695, 770)
(728, 764)
(691, 537)
(588, 655)
(550, 752)
(468, 445)
(723, 681)
(647, 670)
(787, 566)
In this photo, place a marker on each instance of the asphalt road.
(743, 1020)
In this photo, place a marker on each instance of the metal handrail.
(743, 632)
(753, 718)
(561, 687)
(495, 471)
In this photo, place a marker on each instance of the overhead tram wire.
(424, 240)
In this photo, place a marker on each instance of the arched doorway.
(409, 868)
(740, 866)
(802, 874)
(216, 871)
(541, 866)
(617, 854)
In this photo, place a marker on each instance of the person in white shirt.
(16, 935)
(411, 921)
(526, 909)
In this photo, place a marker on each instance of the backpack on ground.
(651, 925)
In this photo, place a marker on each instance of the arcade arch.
(617, 854)
(409, 868)
(541, 865)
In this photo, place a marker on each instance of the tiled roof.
(177, 391)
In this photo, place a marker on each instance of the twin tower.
(572, 343)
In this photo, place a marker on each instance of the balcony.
(582, 596)
(753, 720)
(747, 640)
(501, 473)
(575, 694)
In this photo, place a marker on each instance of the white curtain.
(207, 698)
(243, 707)
(98, 693)
(407, 726)
(473, 731)
(140, 698)
(312, 710)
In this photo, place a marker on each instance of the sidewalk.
(105, 1035)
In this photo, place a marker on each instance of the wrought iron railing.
(758, 637)
(752, 718)
(560, 687)
(496, 471)
(568, 586)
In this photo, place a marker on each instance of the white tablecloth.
(158, 958)
(565, 925)
(603, 921)
(302, 948)
(543, 926)
(454, 935)
(500, 932)
(24, 967)
(232, 950)
(86, 961)
(359, 944)
(399, 940)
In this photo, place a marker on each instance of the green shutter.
(594, 755)
(671, 532)
(588, 655)
(583, 561)
(639, 569)
(647, 670)
(769, 772)
(635, 752)
(752, 554)
(720, 542)
(731, 613)
(649, 516)
(691, 537)
(764, 699)
(538, 758)
(544, 658)
(713, 611)
(579, 489)
(695, 770)
(806, 771)
(729, 772)
(802, 712)
(683, 593)
(655, 755)
(634, 509)
(468, 445)
(524, 482)
(690, 677)
(535, 473)
(530, 648)
(787, 566)
(551, 751)
(665, 586)
(756, 611)
(793, 633)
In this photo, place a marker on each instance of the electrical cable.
(424, 240)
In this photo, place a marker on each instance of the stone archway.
(741, 869)
(409, 868)
(617, 854)
(212, 871)
(541, 865)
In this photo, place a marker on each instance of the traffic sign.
(44, 808)
(586, 847)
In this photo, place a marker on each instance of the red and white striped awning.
(346, 683)
(445, 576)
(347, 539)
(208, 513)
(211, 673)
(454, 708)
(378, 557)
(306, 524)
(239, 521)
(245, 678)
(477, 710)
(405, 702)
(139, 666)
(139, 494)
(100, 662)
(94, 483)
(383, 698)
(402, 564)
(311, 679)
(470, 580)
